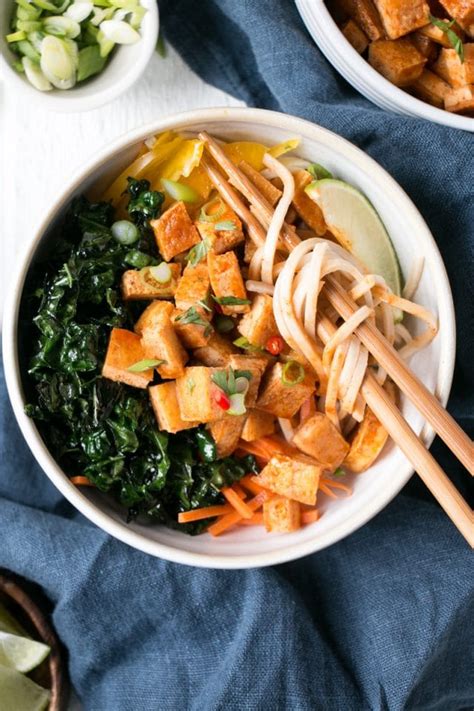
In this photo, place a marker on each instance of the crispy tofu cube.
(306, 208)
(269, 191)
(140, 285)
(283, 400)
(193, 335)
(462, 11)
(193, 286)
(197, 395)
(437, 35)
(174, 231)
(217, 239)
(257, 366)
(281, 515)
(226, 433)
(159, 339)
(257, 424)
(460, 101)
(355, 36)
(294, 478)
(320, 439)
(450, 68)
(368, 439)
(259, 324)
(424, 45)
(397, 60)
(165, 406)
(227, 282)
(429, 87)
(124, 350)
(365, 14)
(216, 352)
(399, 17)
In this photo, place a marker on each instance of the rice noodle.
(286, 428)
(259, 287)
(414, 277)
(278, 217)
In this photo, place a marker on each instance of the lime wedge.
(9, 624)
(18, 693)
(21, 653)
(357, 227)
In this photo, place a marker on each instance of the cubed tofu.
(399, 17)
(174, 231)
(140, 285)
(368, 439)
(283, 400)
(197, 395)
(320, 439)
(437, 35)
(355, 36)
(257, 366)
(159, 339)
(281, 515)
(124, 350)
(429, 87)
(166, 408)
(425, 45)
(460, 101)
(217, 239)
(259, 324)
(397, 60)
(226, 433)
(294, 478)
(227, 282)
(462, 11)
(193, 286)
(216, 352)
(365, 14)
(450, 68)
(306, 208)
(193, 335)
(257, 424)
(269, 191)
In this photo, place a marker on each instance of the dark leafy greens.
(95, 427)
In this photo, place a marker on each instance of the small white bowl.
(358, 72)
(124, 68)
(252, 547)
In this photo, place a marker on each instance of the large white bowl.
(124, 68)
(358, 72)
(251, 547)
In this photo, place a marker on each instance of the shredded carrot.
(309, 516)
(81, 481)
(265, 447)
(256, 520)
(337, 485)
(206, 512)
(225, 522)
(248, 482)
(234, 500)
(326, 490)
(239, 491)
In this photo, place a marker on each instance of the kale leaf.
(144, 204)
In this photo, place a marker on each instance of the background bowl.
(372, 490)
(358, 72)
(124, 68)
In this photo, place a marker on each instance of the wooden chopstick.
(385, 354)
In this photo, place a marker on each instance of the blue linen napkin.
(383, 619)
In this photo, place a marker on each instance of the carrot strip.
(248, 482)
(225, 522)
(256, 520)
(234, 500)
(239, 491)
(309, 516)
(81, 481)
(206, 512)
(326, 490)
(337, 485)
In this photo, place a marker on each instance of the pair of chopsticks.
(256, 217)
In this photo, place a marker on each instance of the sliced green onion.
(224, 324)
(27, 50)
(18, 66)
(61, 26)
(90, 62)
(119, 32)
(124, 4)
(339, 472)
(162, 273)
(51, 7)
(79, 11)
(293, 373)
(228, 225)
(16, 36)
(244, 343)
(204, 215)
(125, 232)
(26, 11)
(143, 365)
(178, 191)
(237, 404)
(106, 45)
(35, 76)
(318, 171)
(36, 39)
(29, 25)
(137, 259)
(58, 63)
(241, 385)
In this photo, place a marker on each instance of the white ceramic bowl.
(358, 72)
(252, 547)
(124, 68)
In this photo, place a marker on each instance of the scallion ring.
(205, 216)
(125, 232)
(293, 373)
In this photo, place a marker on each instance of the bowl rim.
(362, 76)
(67, 101)
(90, 510)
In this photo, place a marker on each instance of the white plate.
(358, 72)
(252, 547)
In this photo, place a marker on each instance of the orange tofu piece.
(320, 439)
(296, 479)
(257, 424)
(139, 284)
(355, 36)
(259, 324)
(306, 208)
(227, 281)
(283, 400)
(159, 339)
(193, 335)
(450, 68)
(197, 395)
(460, 101)
(221, 240)
(257, 366)
(437, 35)
(269, 191)
(153, 313)
(462, 11)
(426, 46)
(368, 439)
(125, 349)
(366, 16)
(429, 87)
(281, 515)
(399, 17)
(226, 433)
(216, 352)
(193, 286)
(174, 231)
(166, 408)
(397, 60)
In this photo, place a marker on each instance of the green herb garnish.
(454, 40)
(226, 380)
(339, 472)
(204, 305)
(230, 300)
(193, 316)
(293, 373)
(228, 225)
(197, 253)
(245, 344)
(318, 171)
(143, 365)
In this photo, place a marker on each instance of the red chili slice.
(275, 345)
(222, 399)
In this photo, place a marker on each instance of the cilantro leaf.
(228, 225)
(230, 300)
(142, 365)
(197, 253)
(193, 316)
(454, 40)
(226, 380)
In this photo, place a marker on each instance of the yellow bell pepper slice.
(285, 147)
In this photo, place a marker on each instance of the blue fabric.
(382, 620)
